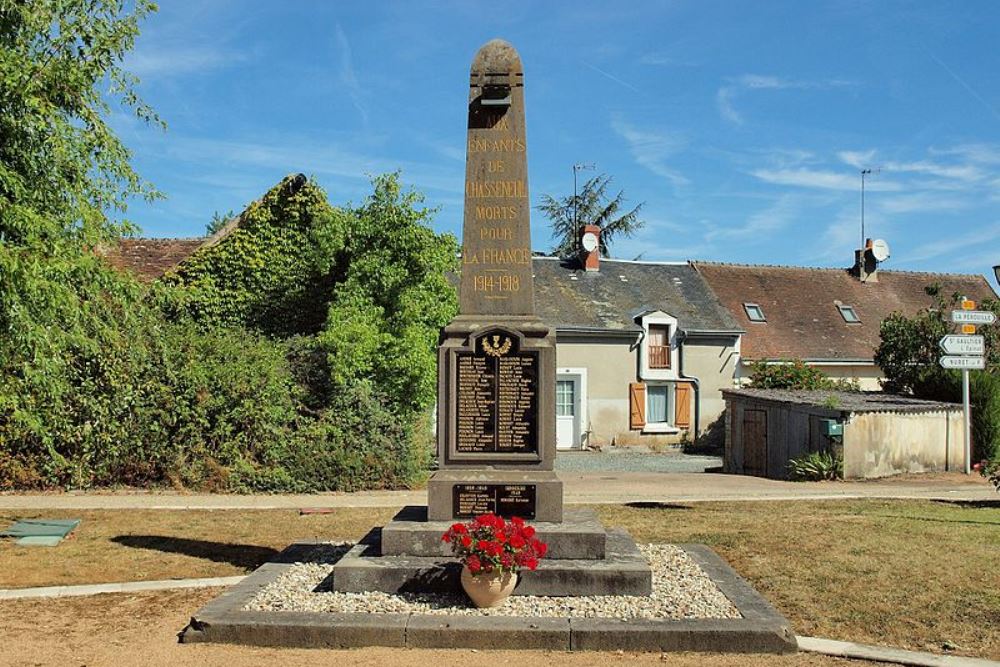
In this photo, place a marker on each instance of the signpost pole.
(968, 422)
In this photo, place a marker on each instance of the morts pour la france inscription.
(496, 251)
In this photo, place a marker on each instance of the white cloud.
(651, 149)
(761, 225)
(950, 244)
(857, 159)
(165, 61)
(725, 96)
(348, 77)
(826, 180)
(920, 201)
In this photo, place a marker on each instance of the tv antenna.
(577, 168)
(865, 172)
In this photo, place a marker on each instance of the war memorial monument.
(496, 453)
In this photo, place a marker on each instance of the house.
(642, 349)
(829, 318)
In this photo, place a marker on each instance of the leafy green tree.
(590, 206)
(386, 314)
(795, 374)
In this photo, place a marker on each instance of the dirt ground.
(140, 630)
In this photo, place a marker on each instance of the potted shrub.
(492, 552)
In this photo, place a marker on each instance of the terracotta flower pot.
(488, 589)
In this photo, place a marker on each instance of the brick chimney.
(590, 247)
(865, 265)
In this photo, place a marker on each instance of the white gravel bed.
(681, 589)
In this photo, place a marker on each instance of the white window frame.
(658, 317)
(843, 308)
(667, 426)
(747, 305)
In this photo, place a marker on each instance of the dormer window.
(754, 312)
(659, 346)
(848, 313)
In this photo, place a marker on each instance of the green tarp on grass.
(40, 532)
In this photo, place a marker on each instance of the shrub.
(816, 466)
(795, 374)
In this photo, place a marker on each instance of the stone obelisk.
(496, 359)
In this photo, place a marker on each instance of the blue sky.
(742, 126)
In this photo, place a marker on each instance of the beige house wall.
(713, 361)
(611, 366)
(867, 375)
(880, 444)
(612, 363)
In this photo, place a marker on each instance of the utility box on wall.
(877, 434)
(831, 428)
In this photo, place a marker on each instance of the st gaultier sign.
(496, 360)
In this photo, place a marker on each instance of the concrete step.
(623, 571)
(580, 535)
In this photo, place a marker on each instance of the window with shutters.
(658, 404)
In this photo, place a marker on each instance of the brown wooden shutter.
(682, 405)
(637, 405)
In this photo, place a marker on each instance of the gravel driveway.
(628, 460)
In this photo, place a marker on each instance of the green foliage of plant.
(386, 314)
(908, 355)
(272, 272)
(218, 221)
(816, 466)
(795, 374)
(216, 377)
(590, 206)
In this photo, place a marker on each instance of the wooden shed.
(878, 434)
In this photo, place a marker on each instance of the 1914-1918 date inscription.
(497, 397)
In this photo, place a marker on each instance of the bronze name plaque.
(506, 500)
(497, 397)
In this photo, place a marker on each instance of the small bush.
(816, 466)
(796, 374)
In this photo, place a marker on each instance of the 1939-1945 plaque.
(496, 359)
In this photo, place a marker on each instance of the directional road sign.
(973, 317)
(971, 345)
(963, 363)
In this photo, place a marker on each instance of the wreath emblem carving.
(496, 348)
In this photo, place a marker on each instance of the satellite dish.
(880, 250)
(590, 242)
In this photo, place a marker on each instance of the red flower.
(541, 548)
(528, 532)
(481, 545)
(466, 541)
(446, 537)
(474, 564)
(517, 541)
(458, 528)
(517, 521)
(507, 561)
(531, 562)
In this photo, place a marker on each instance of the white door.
(567, 411)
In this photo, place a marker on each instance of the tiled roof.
(800, 305)
(611, 298)
(149, 259)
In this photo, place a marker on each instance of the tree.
(590, 206)
(218, 221)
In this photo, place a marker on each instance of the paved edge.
(124, 587)
(841, 649)
(760, 630)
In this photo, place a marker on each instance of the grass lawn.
(915, 574)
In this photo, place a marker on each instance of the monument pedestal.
(463, 494)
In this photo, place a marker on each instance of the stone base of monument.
(232, 618)
(540, 493)
(406, 557)
(579, 535)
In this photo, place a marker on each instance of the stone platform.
(760, 629)
(579, 536)
(623, 571)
